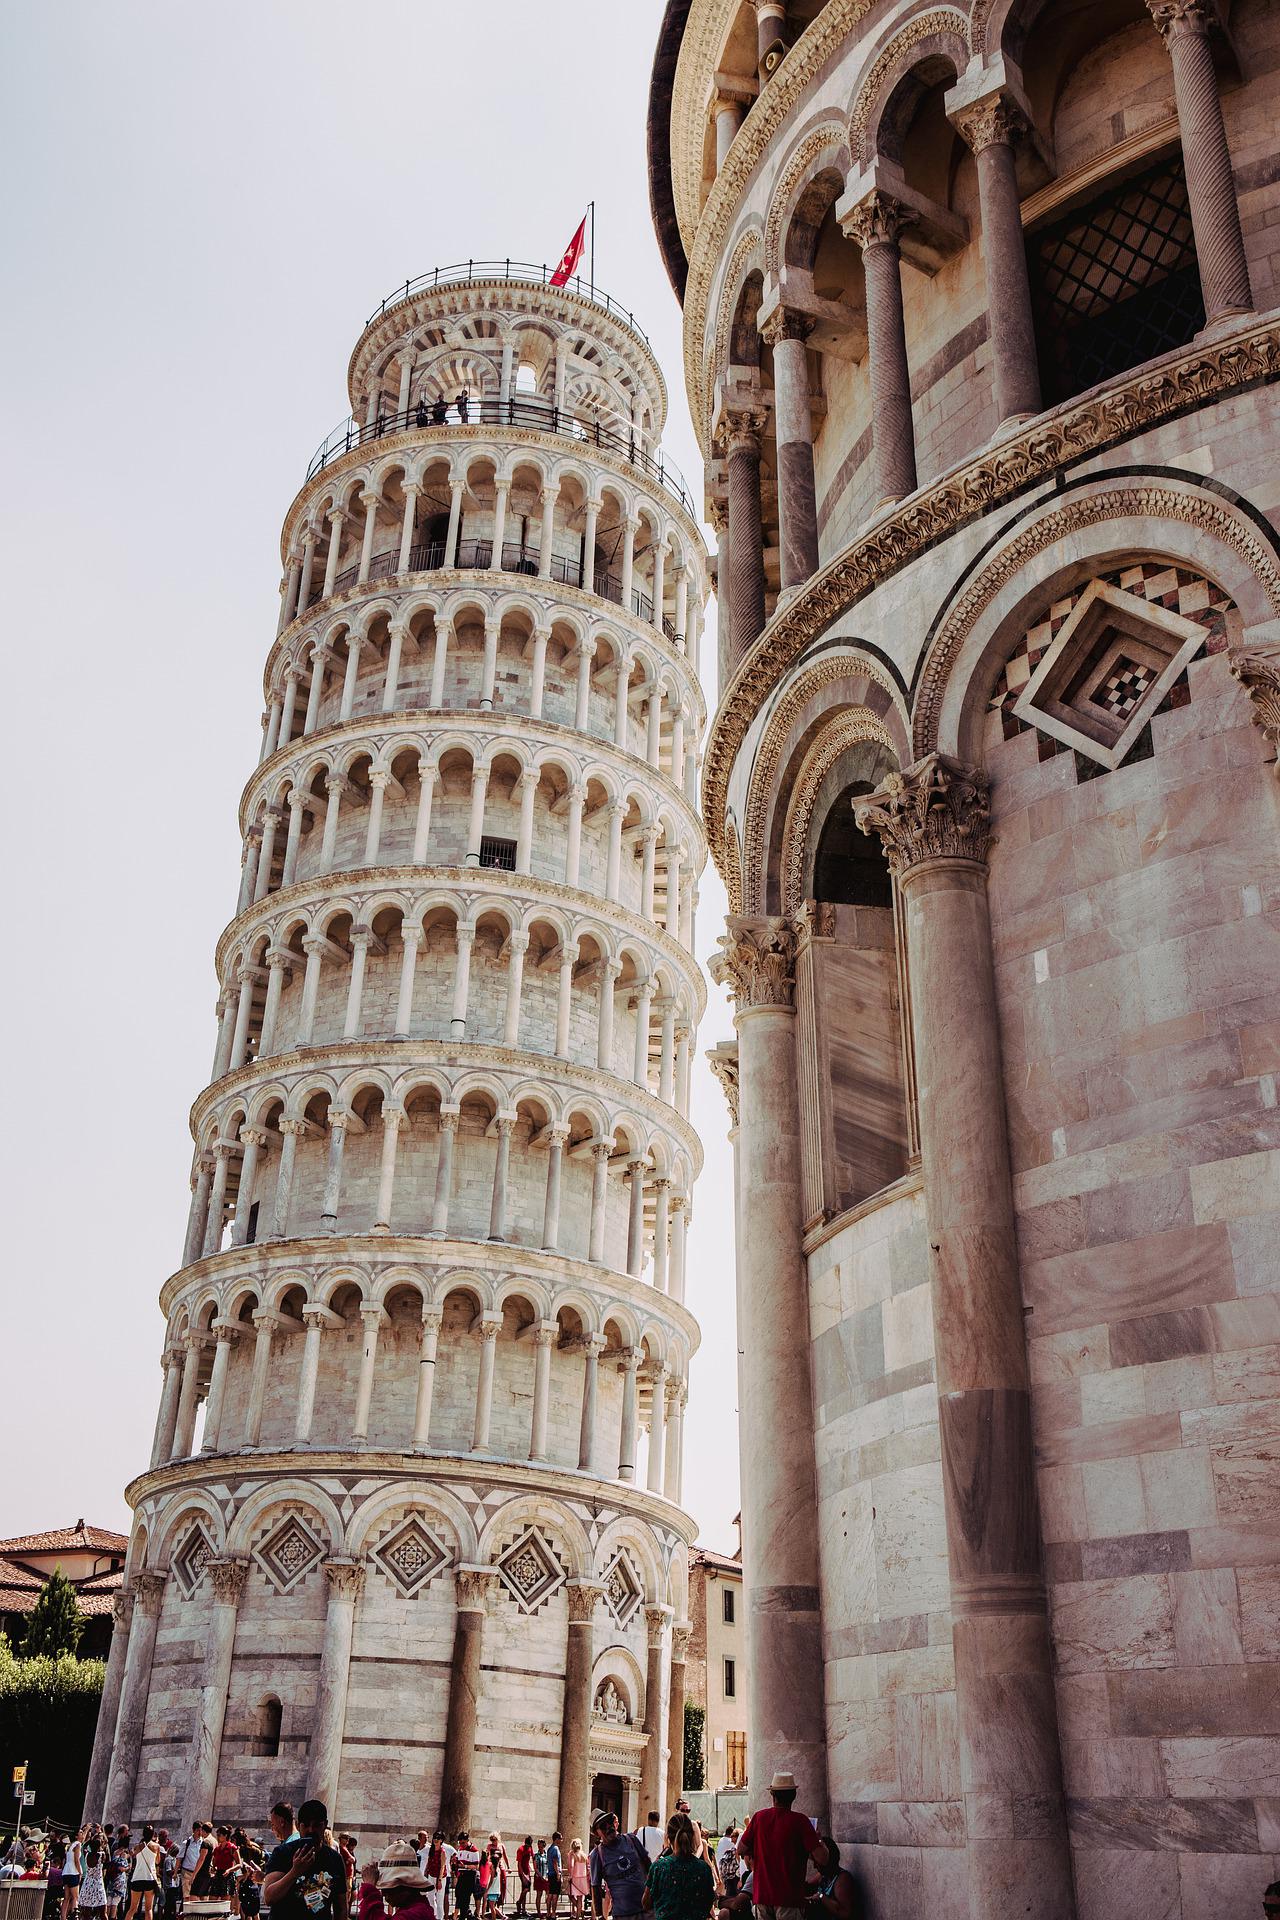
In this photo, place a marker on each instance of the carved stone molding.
(655, 1620)
(1258, 672)
(1201, 374)
(830, 138)
(723, 1061)
(936, 810)
(582, 1596)
(996, 122)
(472, 1587)
(345, 1577)
(741, 429)
(847, 730)
(756, 960)
(877, 221)
(227, 1578)
(785, 323)
(925, 26)
(149, 1591)
(681, 1634)
(1172, 17)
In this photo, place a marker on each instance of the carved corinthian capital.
(723, 1061)
(877, 221)
(472, 1586)
(1259, 674)
(994, 122)
(757, 962)
(228, 1578)
(936, 810)
(1183, 17)
(345, 1577)
(583, 1595)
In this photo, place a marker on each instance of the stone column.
(290, 703)
(262, 885)
(613, 860)
(574, 1804)
(475, 827)
(148, 1594)
(370, 502)
(679, 1230)
(391, 683)
(324, 1756)
(934, 820)
(264, 1325)
(320, 657)
(95, 1791)
(609, 971)
(448, 1130)
(635, 1217)
(350, 677)
(661, 1231)
(680, 1635)
(599, 1197)
(779, 1494)
(473, 1586)
(551, 1204)
(188, 1398)
(501, 1170)
(439, 662)
(543, 1340)
(501, 490)
(393, 1118)
(456, 490)
(336, 517)
(517, 947)
(727, 110)
(875, 225)
(167, 1416)
(1186, 26)
(655, 1719)
(431, 1319)
(538, 672)
(339, 1121)
(786, 331)
(290, 1133)
(673, 1477)
(463, 938)
(657, 1428)
(573, 837)
(227, 1578)
(585, 654)
(298, 803)
(592, 1347)
(410, 940)
(546, 543)
(278, 960)
(640, 1047)
(315, 1319)
(374, 1318)
(490, 1326)
(630, 1358)
(739, 440)
(225, 1333)
(412, 494)
(379, 780)
(428, 776)
(360, 940)
(489, 669)
(989, 127)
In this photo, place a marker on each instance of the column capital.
(1184, 18)
(228, 1577)
(379, 780)
(122, 1606)
(681, 1634)
(1258, 671)
(432, 1319)
(545, 1332)
(393, 1118)
(723, 1061)
(464, 935)
(148, 1590)
(254, 1137)
(582, 1596)
(655, 1620)
(472, 1587)
(785, 323)
(938, 809)
(630, 1358)
(757, 961)
(518, 942)
(814, 920)
(739, 429)
(490, 1326)
(594, 1345)
(298, 1128)
(877, 220)
(345, 1577)
(995, 121)
(448, 1120)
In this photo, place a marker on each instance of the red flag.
(571, 256)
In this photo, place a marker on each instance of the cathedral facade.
(411, 1538)
(981, 343)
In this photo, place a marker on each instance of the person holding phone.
(305, 1878)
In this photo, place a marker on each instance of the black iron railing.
(522, 270)
(521, 410)
(429, 556)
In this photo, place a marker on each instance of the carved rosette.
(935, 810)
(227, 1578)
(472, 1587)
(757, 961)
(1259, 675)
(582, 1597)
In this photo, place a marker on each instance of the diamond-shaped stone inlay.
(530, 1571)
(411, 1556)
(191, 1559)
(622, 1590)
(289, 1553)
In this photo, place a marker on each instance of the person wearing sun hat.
(403, 1885)
(779, 1843)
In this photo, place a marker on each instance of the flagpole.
(593, 249)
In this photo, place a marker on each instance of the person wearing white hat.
(403, 1885)
(779, 1843)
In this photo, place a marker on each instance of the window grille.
(498, 853)
(1115, 283)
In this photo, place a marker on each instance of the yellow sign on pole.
(19, 1774)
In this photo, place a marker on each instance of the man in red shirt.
(778, 1843)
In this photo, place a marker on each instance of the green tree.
(695, 1760)
(55, 1623)
(48, 1709)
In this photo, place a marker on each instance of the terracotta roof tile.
(86, 1539)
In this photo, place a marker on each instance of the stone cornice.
(561, 447)
(381, 727)
(453, 299)
(1195, 377)
(440, 582)
(345, 1057)
(474, 1470)
(329, 888)
(371, 1255)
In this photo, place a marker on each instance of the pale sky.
(201, 208)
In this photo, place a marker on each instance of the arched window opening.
(849, 868)
(266, 1739)
(526, 378)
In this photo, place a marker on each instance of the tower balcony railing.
(428, 557)
(521, 410)
(528, 273)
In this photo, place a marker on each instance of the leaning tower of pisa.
(411, 1538)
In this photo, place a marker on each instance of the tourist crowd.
(779, 1865)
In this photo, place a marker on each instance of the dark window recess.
(730, 1679)
(252, 1234)
(849, 868)
(728, 1606)
(1116, 282)
(266, 1739)
(498, 853)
